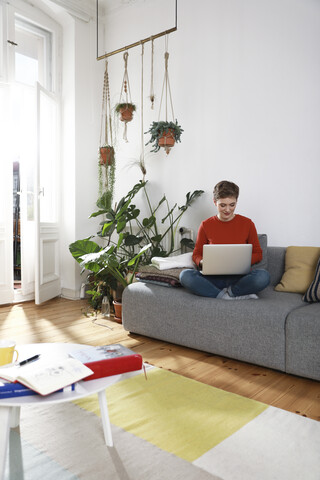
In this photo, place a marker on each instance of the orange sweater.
(238, 230)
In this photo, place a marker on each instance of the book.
(15, 389)
(48, 374)
(8, 390)
(108, 360)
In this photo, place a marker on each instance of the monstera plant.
(126, 240)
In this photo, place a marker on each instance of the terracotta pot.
(106, 155)
(117, 311)
(126, 114)
(167, 140)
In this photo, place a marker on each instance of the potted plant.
(106, 155)
(103, 262)
(125, 111)
(164, 134)
(131, 241)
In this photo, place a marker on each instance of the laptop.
(230, 259)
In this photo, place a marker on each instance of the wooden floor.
(61, 320)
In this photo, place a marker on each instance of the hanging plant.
(125, 111)
(106, 186)
(165, 133)
(125, 107)
(106, 162)
(106, 155)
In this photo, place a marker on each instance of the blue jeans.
(213, 285)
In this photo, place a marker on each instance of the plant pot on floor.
(117, 311)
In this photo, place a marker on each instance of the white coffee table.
(10, 407)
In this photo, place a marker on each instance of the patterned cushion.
(313, 292)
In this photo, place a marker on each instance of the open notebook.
(48, 374)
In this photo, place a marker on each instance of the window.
(33, 54)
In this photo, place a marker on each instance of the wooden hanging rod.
(140, 42)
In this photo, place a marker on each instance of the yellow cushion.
(300, 267)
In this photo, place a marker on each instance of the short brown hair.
(225, 189)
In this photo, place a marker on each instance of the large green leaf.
(159, 252)
(135, 258)
(120, 240)
(135, 189)
(104, 201)
(108, 229)
(123, 209)
(190, 197)
(96, 214)
(121, 225)
(132, 240)
(134, 213)
(82, 247)
(149, 222)
(156, 238)
(97, 261)
(98, 257)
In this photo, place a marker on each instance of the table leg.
(15, 417)
(5, 414)
(105, 418)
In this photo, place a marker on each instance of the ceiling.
(86, 9)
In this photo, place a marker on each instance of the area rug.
(167, 427)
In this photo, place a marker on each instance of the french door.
(47, 263)
(28, 121)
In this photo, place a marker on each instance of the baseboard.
(70, 294)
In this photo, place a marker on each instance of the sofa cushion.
(276, 258)
(300, 265)
(313, 292)
(263, 240)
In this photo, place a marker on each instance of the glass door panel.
(6, 204)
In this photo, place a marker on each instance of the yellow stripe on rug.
(177, 414)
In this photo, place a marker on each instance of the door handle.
(28, 192)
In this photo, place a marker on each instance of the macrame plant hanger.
(152, 95)
(142, 162)
(168, 138)
(106, 151)
(106, 123)
(125, 102)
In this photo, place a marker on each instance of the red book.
(108, 360)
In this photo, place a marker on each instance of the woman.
(226, 227)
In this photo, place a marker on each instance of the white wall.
(245, 78)
(81, 98)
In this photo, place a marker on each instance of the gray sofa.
(278, 331)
